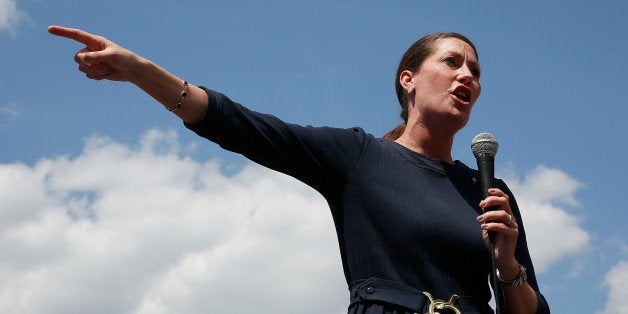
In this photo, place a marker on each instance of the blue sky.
(553, 76)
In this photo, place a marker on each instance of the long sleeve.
(522, 253)
(322, 157)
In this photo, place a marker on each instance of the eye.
(451, 61)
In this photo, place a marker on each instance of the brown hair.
(412, 61)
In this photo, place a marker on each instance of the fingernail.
(480, 218)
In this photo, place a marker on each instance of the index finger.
(74, 33)
(496, 192)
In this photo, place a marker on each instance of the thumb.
(93, 57)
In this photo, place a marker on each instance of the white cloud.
(141, 230)
(10, 16)
(616, 278)
(552, 231)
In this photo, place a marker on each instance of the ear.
(405, 79)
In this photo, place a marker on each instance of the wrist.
(138, 69)
(521, 279)
(509, 271)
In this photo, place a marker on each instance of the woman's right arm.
(104, 59)
(313, 155)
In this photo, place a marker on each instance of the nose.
(464, 75)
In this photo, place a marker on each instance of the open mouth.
(462, 93)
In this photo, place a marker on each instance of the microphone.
(484, 147)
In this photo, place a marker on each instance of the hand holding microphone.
(498, 215)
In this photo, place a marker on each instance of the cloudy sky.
(109, 205)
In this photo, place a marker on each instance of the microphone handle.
(487, 173)
(486, 168)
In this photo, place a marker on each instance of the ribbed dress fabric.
(399, 216)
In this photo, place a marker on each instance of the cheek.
(435, 86)
(478, 91)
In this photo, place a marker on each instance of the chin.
(460, 121)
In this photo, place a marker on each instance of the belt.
(376, 290)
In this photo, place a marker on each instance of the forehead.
(454, 45)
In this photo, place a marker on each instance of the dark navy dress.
(406, 223)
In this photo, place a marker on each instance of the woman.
(409, 218)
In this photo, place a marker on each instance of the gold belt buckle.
(436, 306)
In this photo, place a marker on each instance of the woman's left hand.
(504, 225)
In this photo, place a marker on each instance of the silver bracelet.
(520, 280)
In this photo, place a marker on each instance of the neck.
(427, 142)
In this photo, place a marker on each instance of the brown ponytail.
(395, 133)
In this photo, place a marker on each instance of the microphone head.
(484, 144)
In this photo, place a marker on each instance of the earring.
(410, 90)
